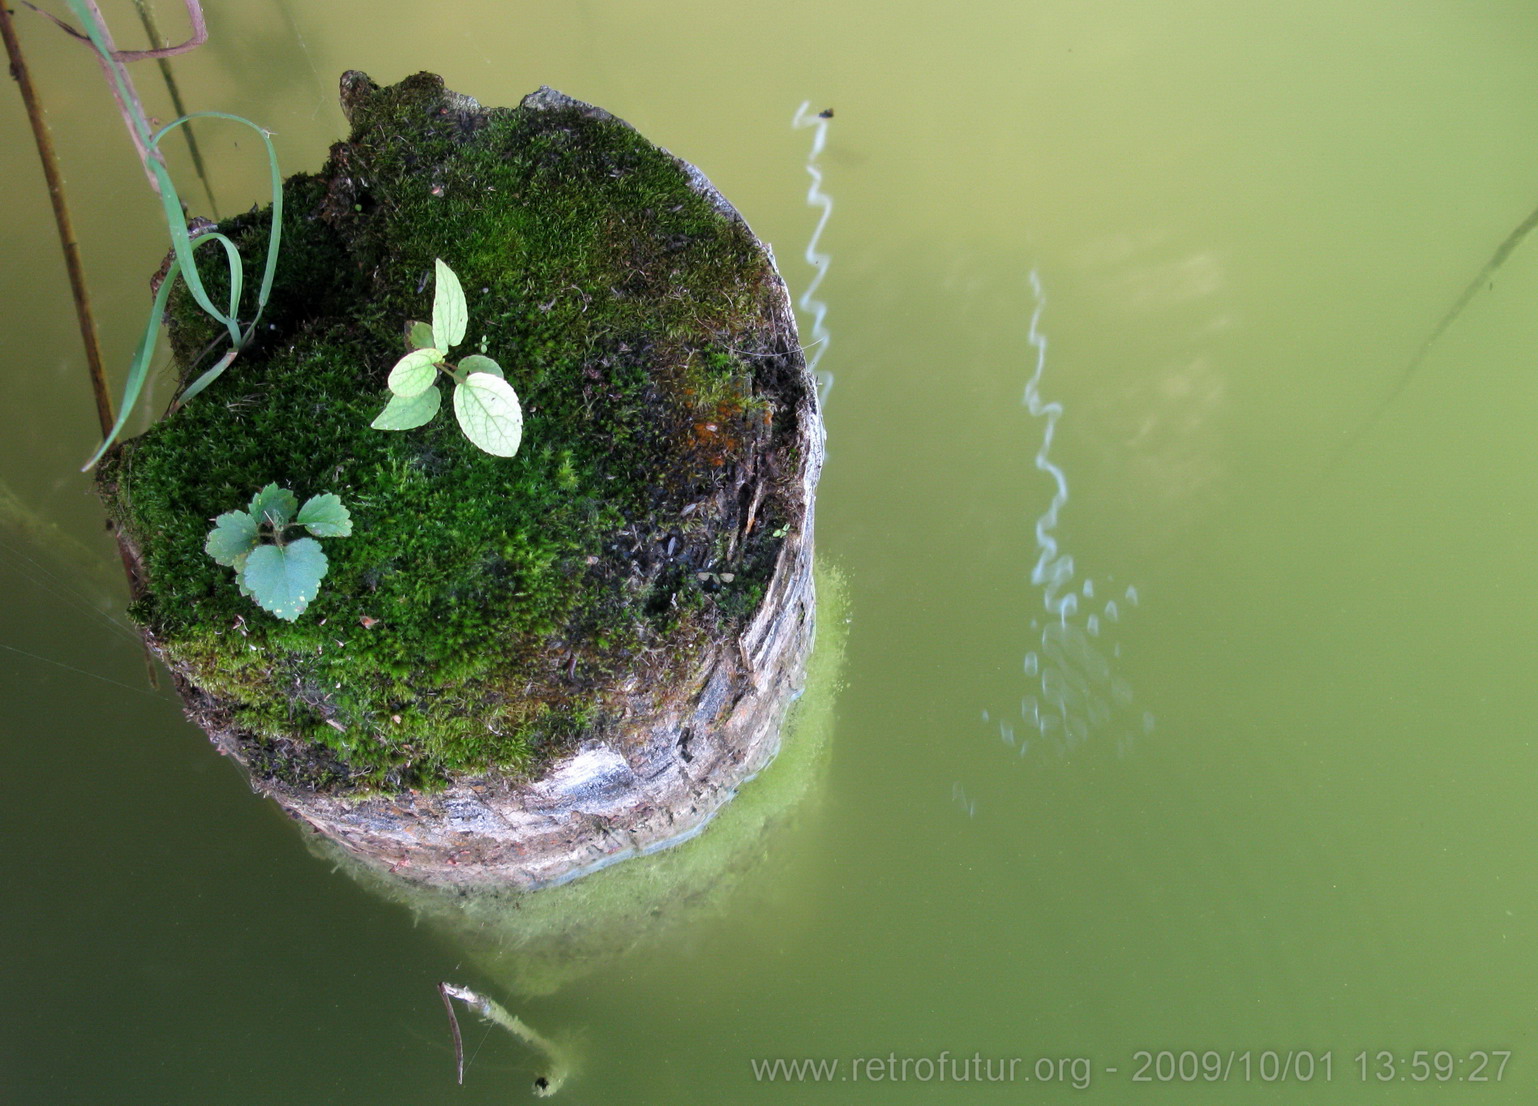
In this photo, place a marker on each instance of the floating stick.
(544, 1085)
(459, 1042)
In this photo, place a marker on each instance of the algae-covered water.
(1182, 745)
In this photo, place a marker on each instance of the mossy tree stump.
(516, 669)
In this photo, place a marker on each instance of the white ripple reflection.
(816, 197)
(1073, 692)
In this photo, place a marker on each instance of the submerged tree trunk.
(528, 750)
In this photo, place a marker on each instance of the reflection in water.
(1169, 417)
(816, 197)
(1483, 279)
(1073, 691)
(323, 93)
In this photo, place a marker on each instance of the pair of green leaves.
(281, 576)
(484, 402)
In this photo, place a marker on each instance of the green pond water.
(1183, 746)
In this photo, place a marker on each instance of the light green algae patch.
(535, 942)
(483, 607)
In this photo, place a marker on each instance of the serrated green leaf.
(325, 517)
(414, 373)
(284, 578)
(234, 534)
(450, 315)
(408, 414)
(489, 413)
(419, 335)
(478, 363)
(274, 505)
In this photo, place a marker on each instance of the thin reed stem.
(81, 295)
(84, 317)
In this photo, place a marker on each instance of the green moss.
(476, 615)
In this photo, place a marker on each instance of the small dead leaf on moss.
(367, 622)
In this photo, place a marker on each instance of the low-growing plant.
(281, 574)
(484, 402)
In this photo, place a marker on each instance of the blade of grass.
(138, 369)
(274, 235)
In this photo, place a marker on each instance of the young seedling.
(484, 402)
(281, 574)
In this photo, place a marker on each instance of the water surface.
(1165, 725)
